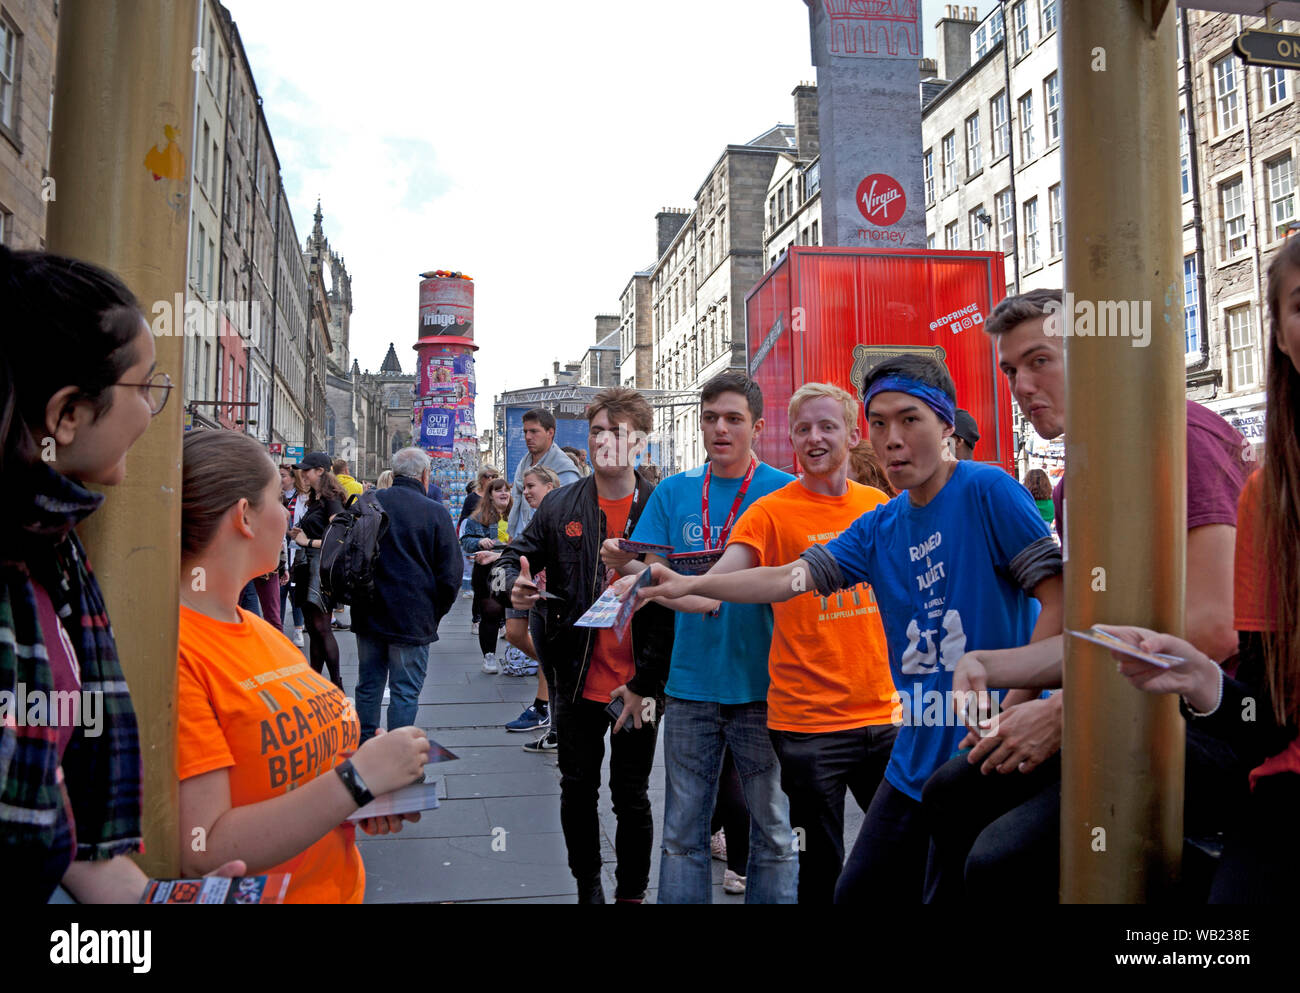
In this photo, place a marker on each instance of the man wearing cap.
(965, 433)
(943, 587)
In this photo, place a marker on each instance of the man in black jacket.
(417, 576)
(588, 667)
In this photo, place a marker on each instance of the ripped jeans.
(695, 733)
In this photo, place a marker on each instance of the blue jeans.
(695, 733)
(403, 666)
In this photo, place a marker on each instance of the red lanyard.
(735, 506)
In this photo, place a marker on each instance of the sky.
(526, 144)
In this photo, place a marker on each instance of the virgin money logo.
(881, 199)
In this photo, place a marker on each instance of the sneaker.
(718, 846)
(338, 627)
(297, 636)
(490, 664)
(543, 744)
(732, 883)
(530, 720)
(473, 628)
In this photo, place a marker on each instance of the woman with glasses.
(78, 387)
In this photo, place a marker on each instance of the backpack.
(350, 550)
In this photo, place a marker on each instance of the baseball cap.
(315, 460)
(964, 427)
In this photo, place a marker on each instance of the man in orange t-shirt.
(830, 703)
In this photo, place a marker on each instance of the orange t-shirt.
(249, 703)
(611, 663)
(1253, 606)
(828, 663)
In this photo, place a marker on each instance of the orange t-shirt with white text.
(249, 703)
(829, 664)
(611, 663)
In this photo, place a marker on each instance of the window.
(771, 212)
(1225, 92)
(200, 247)
(973, 144)
(212, 255)
(203, 172)
(1191, 307)
(1026, 107)
(8, 74)
(789, 194)
(929, 241)
(988, 34)
(951, 236)
(1184, 151)
(6, 226)
(212, 179)
(1273, 86)
(1280, 180)
(978, 230)
(1055, 219)
(812, 180)
(1020, 26)
(1049, 16)
(1006, 222)
(1031, 232)
(1001, 135)
(1243, 364)
(1232, 206)
(1052, 100)
(816, 239)
(929, 176)
(780, 205)
(949, 162)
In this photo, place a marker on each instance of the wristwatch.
(353, 781)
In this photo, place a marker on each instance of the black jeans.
(1261, 863)
(816, 769)
(888, 861)
(580, 728)
(997, 837)
(491, 615)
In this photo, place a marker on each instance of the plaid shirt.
(93, 800)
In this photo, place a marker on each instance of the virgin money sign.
(866, 54)
(881, 199)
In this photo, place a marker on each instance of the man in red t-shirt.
(592, 667)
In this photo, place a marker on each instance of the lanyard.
(735, 506)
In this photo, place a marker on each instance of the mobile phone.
(615, 710)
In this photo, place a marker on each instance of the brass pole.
(124, 96)
(1126, 499)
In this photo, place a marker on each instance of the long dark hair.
(1281, 493)
(329, 487)
(486, 512)
(218, 469)
(66, 323)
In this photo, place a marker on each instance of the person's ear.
(758, 429)
(855, 435)
(241, 516)
(65, 415)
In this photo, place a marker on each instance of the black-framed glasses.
(158, 389)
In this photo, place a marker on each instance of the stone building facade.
(636, 333)
(28, 36)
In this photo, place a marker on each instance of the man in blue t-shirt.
(954, 563)
(717, 681)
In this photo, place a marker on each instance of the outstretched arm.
(767, 584)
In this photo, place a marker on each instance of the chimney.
(805, 122)
(668, 223)
(605, 324)
(952, 35)
(556, 368)
(929, 68)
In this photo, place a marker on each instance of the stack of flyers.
(623, 619)
(694, 563)
(215, 889)
(602, 613)
(1107, 640)
(643, 547)
(404, 800)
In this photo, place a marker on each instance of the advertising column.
(866, 53)
(443, 419)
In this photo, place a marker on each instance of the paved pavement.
(496, 837)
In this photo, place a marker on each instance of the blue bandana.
(936, 400)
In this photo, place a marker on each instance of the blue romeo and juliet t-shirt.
(719, 659)
(942, 579)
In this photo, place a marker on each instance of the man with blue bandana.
(954, 562)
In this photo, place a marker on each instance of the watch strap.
(353, 781)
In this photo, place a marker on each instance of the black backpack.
(350, 550)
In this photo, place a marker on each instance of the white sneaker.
(732, 882)
(297, 636)
(490, 664)
(473, 628)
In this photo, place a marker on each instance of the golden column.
(121, 155)
(1122, 789)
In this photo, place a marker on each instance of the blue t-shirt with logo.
(719, 659)
(942, 581)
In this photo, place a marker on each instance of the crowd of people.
(888, 623)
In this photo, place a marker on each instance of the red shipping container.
(827, 314)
